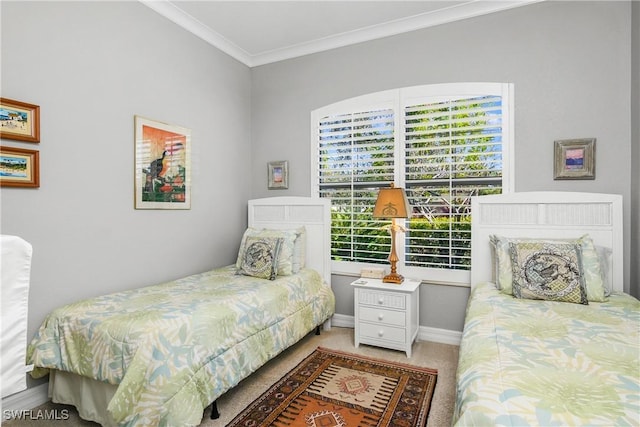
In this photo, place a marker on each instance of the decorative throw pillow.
(285, 258)
(299, 250)
(591, 262)
(502, 263)
(591, 268)
(259, 257)
(548, 271)
(604, 256)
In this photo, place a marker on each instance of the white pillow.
(604, 255)
(299, 250)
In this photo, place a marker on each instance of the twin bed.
(571, 359)
(160, 355)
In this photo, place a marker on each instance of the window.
(442, 143)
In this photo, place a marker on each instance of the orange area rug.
(331, 388)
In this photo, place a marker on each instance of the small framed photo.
(575, 159)
(19, 121)
(278, 175)
(19, 167)
(162, 165)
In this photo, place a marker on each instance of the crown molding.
(172, 12)
(449, 14)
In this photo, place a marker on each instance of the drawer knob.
(380, 316)
(380, 301)
(380, 333)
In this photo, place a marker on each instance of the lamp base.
(393, 278)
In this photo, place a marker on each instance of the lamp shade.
(392, 203)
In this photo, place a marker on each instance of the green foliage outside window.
(452, 151)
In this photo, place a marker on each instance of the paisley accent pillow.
(591, 262)
(288, 259)
(259, 257)
(548, 271)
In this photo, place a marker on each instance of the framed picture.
(162, 165)
(19, 121)
(278, 175)
(575, 159)
(19, 167)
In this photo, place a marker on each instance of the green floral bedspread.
(541, 363)
(176, 347)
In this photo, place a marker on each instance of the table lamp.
(392, 203)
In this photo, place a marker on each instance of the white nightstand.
(386, 314)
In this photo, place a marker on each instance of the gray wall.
(570, 63)
(92, 66)
(635, 147)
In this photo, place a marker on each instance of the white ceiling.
(261, 32)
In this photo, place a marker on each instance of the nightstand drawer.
(382, 332)
(377, 315)
(382, 299)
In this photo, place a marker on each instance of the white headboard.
(292, 212)
(555, 215)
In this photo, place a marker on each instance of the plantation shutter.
(453, 151)
(442, 143)
(355, 158)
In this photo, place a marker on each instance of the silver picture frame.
(278, 175)
(575, 159)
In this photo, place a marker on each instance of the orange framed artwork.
(19, 121)
(19, 167)
(162, 165)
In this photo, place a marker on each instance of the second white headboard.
(292, 212)
(546, 214)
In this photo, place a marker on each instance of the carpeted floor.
(442, 357)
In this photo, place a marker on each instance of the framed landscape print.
(162, 165)
(19, 121)
(575, 159)
(19, 167)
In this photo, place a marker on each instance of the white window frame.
(396, 99)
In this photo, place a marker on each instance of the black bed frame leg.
(214, 410)
(318, 330)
